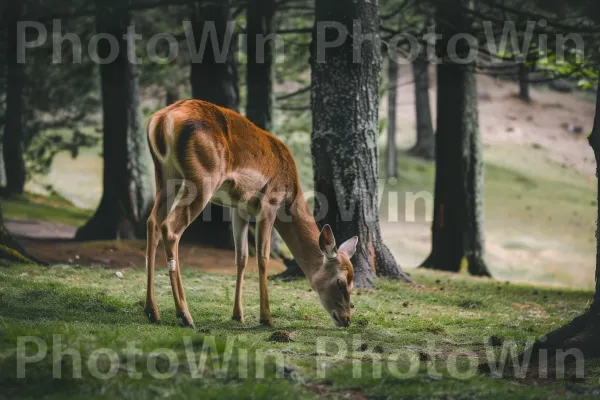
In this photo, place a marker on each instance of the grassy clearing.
(91, 309)
(49, 209)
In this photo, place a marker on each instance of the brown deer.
(221, 157)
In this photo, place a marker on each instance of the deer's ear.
(327, 242)
(349, 246)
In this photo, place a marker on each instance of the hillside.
(540, 186)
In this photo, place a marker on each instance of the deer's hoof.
(266, 322)
(238, 318)
(152, 315)
(186, 321)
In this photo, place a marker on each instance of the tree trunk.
(13, 125)
(457, 228)
(391, 159)
(128, 181)
(524, 83)
(11, 250)
(425, 147)
(259, 68)
(172, 95)
(345, 107)
(259, 77)
(214, 79)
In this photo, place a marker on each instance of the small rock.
(282, 337)
(563, 85)
(288, 372)
(495, 341)
(119, 274)
(485, 96)
(362, 323)
(406, 304)
(577, 129)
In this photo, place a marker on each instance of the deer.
(227, 160)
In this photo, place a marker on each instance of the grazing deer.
(227, 160)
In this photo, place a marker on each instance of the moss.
(8, 254)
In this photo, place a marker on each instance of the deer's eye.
(343, 287)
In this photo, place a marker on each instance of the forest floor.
(418, 342)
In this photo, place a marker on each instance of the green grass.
(49, 209)
(90, 308)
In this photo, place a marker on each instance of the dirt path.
(39, 229)
(53, 243)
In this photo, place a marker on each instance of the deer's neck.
(300, 232)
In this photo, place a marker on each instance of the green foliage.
(60, 95)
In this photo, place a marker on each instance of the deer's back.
(223, 143)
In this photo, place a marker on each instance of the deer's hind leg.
(176, 222)
(156, 218)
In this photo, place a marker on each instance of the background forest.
(453, 168)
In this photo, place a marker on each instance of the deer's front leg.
(240, 238)
(264, 226)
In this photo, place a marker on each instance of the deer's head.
(333, 282)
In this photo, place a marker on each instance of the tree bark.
(457, 228)
(11, 250)
(391, 159)
(425, 147)
(172, 95)
(128, 181)
(345, 107)
(524, 83)
(12, 146)
(259, 68)
(259, 78)
(214, 79)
